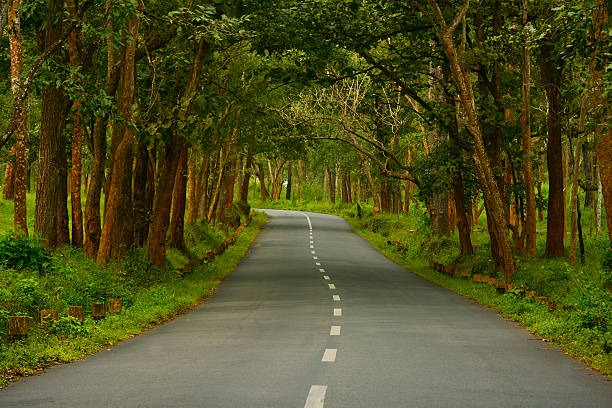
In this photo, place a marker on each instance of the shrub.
(21, 253)
(68, 326)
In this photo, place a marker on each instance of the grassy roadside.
(151, 296)
(583, 332)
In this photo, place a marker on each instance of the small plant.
(68, 326)
(21, 253)
(606, 261)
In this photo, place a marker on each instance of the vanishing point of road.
(314, 316)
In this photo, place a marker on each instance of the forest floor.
(150, 295)
(581, 324)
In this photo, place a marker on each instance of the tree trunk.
(325, 183)
(217, 188)
(139, 195)
(8, 192)
(202, 189)
(244, 188)
(438, 204)
(20, 174)
(262, 182)
(118, 230)
(193, 182)
(289, 180)
(177, 220)
(77, 142)
(63, 230)
(50, 151)
(332, 186)
(575, 176)
(530, 212)
(230, 182)
(92, 219)
(551, 69)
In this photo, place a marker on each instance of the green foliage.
(68, 326)
(21, 252)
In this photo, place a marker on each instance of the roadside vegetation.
(581, 324)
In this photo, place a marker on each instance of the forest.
(471, 132)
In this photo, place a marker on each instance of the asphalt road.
(277, 335)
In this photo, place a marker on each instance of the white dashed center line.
(309, 223)
(318, 263)
(311, 247)
(316, 396)
(313, 252)
(315, 257)
(332, 286)
(326, 277)
(321, 270)
(337, 311)
(336, 298)
(330, 355)
(334, 331)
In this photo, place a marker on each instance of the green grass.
(584, 331)
(150, 295)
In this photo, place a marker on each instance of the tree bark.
(63, 230)
(8, 192)
(50, 153)
(177, 220)
(19, 173)
(77, 141)
(551, 69)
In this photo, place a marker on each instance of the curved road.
(318, 317)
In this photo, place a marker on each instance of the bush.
(21, 253)
(68, 326)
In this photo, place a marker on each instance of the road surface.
(314, 316)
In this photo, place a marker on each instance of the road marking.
(314, 257)
(321, 270)
(311, 247)
(316, 396)
(318, 263)
(332, 286)
(334, 331)
(309, 223)
(313, 252)
(312, 242)
(336, 298)
(326, 277)
(337, 311)
(330, 355)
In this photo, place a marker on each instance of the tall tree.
(117, 232)
(20, 169)
(52, 138)
(551, 69)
